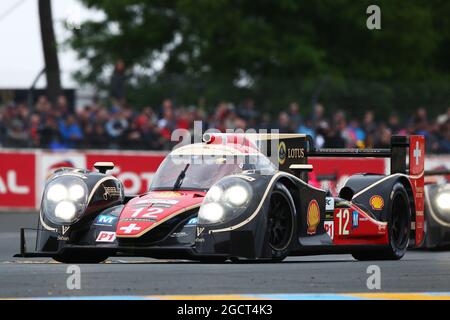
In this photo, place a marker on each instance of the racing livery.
(237, 197)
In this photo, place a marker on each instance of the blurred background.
(109, 74)
(123, 75)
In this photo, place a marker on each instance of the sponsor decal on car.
(329, 215)
(282, 154)
(329, 204)
(105, 220)
(296, 153)
(110, 192)
(355, 219)
(156, 201)
(64, 229)
(149, 219)
(192, 221)
(381, 228)
(178, 234)
(199, 231)
(376, 202)
(106, 236)
(329, 228)
(313, 217)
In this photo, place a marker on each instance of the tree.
(278, 49)
(50, 50)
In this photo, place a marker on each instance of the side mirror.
(103, 167)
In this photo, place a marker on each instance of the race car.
(238, 197)
(437, 208)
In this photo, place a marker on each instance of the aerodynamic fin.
(416, 176)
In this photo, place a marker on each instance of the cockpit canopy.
(198, 166)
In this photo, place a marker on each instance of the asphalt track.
(332, 276)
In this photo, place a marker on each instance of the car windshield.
(195, 173)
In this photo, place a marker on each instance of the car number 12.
(147, 214)
(343, 216)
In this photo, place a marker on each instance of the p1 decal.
(313, 217)
(329, 228)
(376, 202)
(106, 236)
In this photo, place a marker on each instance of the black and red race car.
(237, 197)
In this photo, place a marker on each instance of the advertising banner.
(17, 180)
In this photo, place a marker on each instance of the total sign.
(17, 184)
(135, 170)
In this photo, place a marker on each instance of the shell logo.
(376, 202)
(313, 217)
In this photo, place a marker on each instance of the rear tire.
(399, 227)
(280, 223)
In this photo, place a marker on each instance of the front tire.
(280, 223)
(399, 227)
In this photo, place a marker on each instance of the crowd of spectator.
(56, 126)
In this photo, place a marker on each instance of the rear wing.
(398, 152)
(437, 172)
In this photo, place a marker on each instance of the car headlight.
(443, 201)
(236, 195)
(224, 201)
(211, 213)
(64, 199)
